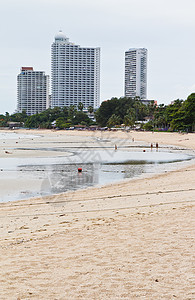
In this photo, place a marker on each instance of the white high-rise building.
(136, 73)
(75, 74)
(32, 91)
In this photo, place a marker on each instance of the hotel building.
(32, 91)
(75, 74)
(136, 73)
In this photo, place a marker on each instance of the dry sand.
(130, 240)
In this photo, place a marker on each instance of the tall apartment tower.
(136, 73)
(75, 74)
(32, 91)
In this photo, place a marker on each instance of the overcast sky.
(165, 27)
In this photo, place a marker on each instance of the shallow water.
(46, 176)
(16, 135)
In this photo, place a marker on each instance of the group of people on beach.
(152, 146)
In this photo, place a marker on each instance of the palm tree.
(7, 116)
(80, 106)
(114, 120)
(90, 109)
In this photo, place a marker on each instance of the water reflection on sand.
(40, 176)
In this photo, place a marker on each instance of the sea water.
(52, 175)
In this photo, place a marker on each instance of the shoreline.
(46, 148)
(128, 240)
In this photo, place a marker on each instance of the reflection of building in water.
(62, 178)
(117, 172)
(134, 170)
(57, 179)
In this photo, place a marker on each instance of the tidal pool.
(23, 178)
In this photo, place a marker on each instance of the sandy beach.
(128, 240)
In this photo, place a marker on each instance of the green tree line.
(62, 118)
(178, 116)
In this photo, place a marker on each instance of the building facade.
(32, 91)
(75, 74)
(136, 73)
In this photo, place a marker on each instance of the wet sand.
(130, 240)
